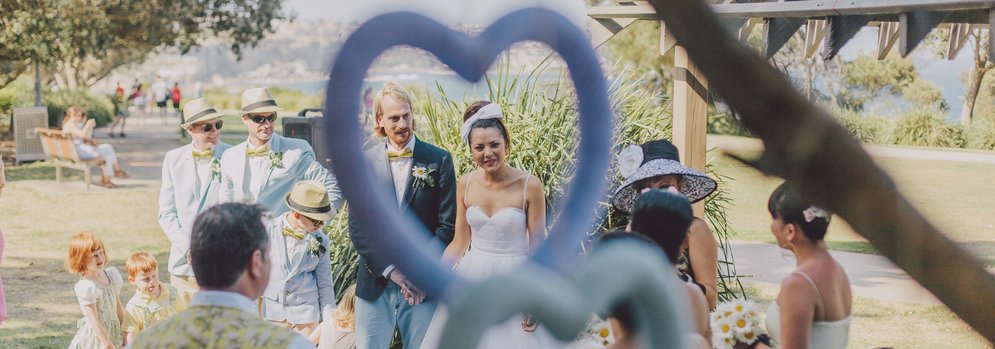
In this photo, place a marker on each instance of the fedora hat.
(258, 100)
(310, 199)
(657, 158)
(198, 110)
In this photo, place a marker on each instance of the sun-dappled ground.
(955, 196)
(38, 216)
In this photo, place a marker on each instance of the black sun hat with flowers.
(657, 158)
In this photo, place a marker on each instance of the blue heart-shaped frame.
(469, 57)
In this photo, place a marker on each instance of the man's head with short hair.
(392, 112)
(229, 249)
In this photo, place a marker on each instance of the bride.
(500, 219)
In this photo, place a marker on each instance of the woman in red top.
(175, 93)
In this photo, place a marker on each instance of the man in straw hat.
(300, 293)
(265, 167)
(190, 184)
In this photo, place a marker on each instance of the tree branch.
(824, 163)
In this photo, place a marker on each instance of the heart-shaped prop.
(621, 272)
(469, 57)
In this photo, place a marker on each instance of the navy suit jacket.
(434, 207)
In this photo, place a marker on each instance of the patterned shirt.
(144, 310)
(219, 319)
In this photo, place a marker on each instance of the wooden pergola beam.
(841, 30)
(777, 32)
(887, 37)
(958, 37)
(880, 10)
(913, 28)
(815, 31)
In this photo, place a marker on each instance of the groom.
(385, 296)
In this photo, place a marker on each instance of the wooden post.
(690, 115)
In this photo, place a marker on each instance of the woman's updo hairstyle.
(486, 123)
(786, 205)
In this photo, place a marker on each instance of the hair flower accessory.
(490, 111)
(629, 160)
(814, 211)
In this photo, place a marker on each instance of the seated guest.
(79, 126)
(657, 165)
(230, 255)
(814, 306)
(300, 294)
(664, 217)
(153, 301)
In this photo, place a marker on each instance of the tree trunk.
(971, 95)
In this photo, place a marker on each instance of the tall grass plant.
(542, 117)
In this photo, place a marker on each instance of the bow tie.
(261, 151)
(288, 231)
(406, 153)
(203, 154)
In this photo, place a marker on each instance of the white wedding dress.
(498, 244)
(825, 334)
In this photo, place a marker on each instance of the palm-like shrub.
(541, 116)
(927, 128)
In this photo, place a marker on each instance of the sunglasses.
(260, 119)
(316, 223)
(211, 127)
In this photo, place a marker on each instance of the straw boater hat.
(198, 110)
(258, 100)
(657, 158)
(310, 199)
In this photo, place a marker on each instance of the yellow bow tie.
(261, 151)
(203, 154)
(288, 231)
(406, 153)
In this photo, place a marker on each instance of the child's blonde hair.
(344, 314)
(81, 246)
(140, 262)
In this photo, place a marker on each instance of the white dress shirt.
(400, 168)
(255, 171)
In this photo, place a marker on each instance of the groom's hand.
(411, 293)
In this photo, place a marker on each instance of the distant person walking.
(120, 110)
(138, 97)
(160, 92)
(174, 94)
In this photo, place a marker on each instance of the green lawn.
(956, 196)
(895, 324)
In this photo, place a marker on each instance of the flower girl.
(97, 292)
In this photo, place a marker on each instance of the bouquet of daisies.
(735, 321)
(597, 335)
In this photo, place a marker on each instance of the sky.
(446, 11)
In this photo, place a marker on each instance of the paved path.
(870, 276)
(875, 150)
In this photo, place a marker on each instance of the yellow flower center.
(741, 323)
(739, 308)
(748, 335)
(603, 332)
(726, 328)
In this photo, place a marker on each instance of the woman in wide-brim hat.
(657, 165)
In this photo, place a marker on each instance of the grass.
(38, 219)
(947, 192)
(895, 324)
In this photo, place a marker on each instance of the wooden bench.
(60, 147)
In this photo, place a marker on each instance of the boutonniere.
(422, 175)
(314, 245)
(215, 169)
(276, 160)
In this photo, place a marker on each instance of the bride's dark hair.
(486, 123)
(665, 218)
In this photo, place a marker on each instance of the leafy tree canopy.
(80, 42)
